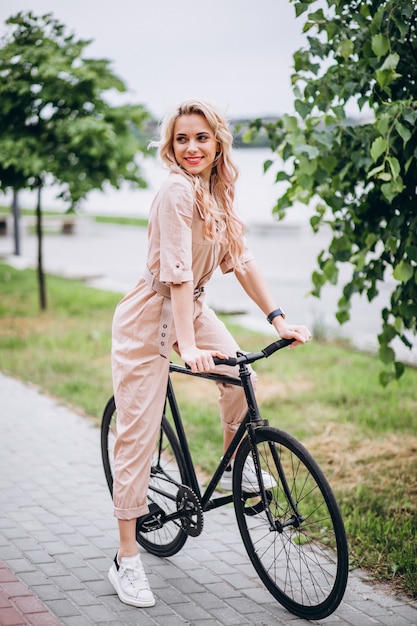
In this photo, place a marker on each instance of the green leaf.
(387, 334)
(395, 166)
(300, 8)
(343, 304)
(371, 239)
(386, 377)
(331, 272)
(341, 248)
(403, 132)
(342, 317)
(407, 165)
(302, 108)
(399, 369)
(392, 189)
(318, 280)
(385, 77)
(304, 181)
(386, 354)
(378, 147)
(315, 222)
(307, 165)
(267, 164)
(399, 325)
(345, 48)
(390, 62)
(304, 149)
(282, 204)
(249, 135)
(403, 271)
(380, 45)
(382, 124)
(411, 252)
(358, 260)
(376, 170)
(290, 123)
(392, 244)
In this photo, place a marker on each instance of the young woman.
(193, 229)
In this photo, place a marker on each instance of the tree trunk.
(16, 222)
(41, 275)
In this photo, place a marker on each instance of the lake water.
(286, 251)
(256, 192)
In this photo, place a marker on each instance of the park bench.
(63, 224)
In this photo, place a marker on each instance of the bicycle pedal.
(151, 521)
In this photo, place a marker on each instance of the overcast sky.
(234, 53)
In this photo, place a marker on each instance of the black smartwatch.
(275, 313)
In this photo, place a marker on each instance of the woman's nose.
(192, 146)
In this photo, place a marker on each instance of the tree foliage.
(361, 177)
(56, 125)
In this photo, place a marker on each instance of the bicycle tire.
(167, 472)
(303, 559)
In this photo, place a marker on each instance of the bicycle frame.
(251, 421)
(288, 518)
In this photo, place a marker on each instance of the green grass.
(363, 435)
(123, 221)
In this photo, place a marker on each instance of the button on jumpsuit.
(144, 333)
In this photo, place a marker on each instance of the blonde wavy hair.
(220, 220)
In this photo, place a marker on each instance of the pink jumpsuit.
(144, 333)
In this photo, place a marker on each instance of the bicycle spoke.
(167, 473)
(302, 559)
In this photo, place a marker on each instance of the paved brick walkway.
(58, 537)
(18, 604)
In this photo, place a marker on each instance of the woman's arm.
(182, 299)
(255, 285)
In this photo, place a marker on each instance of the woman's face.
(194, 145)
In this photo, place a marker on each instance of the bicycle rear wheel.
(300, 552)
(167, 473)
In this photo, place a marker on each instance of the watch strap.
(274, 314)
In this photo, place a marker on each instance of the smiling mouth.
(194, 160)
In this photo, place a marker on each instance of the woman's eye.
(202, 137)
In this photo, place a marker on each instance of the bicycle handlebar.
(250, 357)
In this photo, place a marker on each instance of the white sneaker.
(129, 580)
(249, 478)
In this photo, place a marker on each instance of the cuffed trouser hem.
(128, 514)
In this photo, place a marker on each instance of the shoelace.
(140, 582)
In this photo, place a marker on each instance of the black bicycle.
(292, 528)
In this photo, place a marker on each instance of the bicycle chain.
(192, 520)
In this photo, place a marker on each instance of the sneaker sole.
(127, 599)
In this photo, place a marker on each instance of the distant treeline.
(239, 128)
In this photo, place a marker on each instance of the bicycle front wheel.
(167, 473)
(297, 541)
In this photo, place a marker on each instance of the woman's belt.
(165, 324)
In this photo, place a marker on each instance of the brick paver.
(58, 537)
(19, 605)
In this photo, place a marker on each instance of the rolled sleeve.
(176, 218)
(227, 265)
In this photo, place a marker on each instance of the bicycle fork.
(274, 524)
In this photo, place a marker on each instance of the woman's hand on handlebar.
(301, 334)
(200, 360)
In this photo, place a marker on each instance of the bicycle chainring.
(191, 513)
